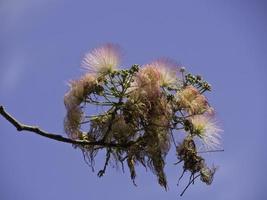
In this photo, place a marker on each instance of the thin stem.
(173, 139)
(102, 172)
(181, 177)
(34, 129)
(219, 150)
(100, 103)
(190, 182)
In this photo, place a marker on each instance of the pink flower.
(72, 122)
(79, 89)
(167, 70)
(103, 60)
(147, 83)
(206, 129)
(192, 101)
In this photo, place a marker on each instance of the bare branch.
(34, 129)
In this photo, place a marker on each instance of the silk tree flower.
(186, 96)
(199, 105)
(167, 70)
(103, 60)
(159, 118)
(74, 96)
(206, 129)
(158, 73)
(79, 89)
(121, 130)
(72, 122)
(192, 101)
(207, 174)
(146, 101)
(147, 83)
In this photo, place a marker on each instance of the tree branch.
(34, 129)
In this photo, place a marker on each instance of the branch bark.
(34, 129)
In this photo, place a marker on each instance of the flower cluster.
(144, 110)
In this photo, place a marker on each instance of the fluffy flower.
(207, 174)
(148, 75)
(74, 96)
(72, 122)
(189, 93)
(103, 59)
(205, 128)
(192, 101)
(167, 70)
(147, 84)
(79, 89)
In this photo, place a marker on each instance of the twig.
(190, 182)
(181, 177)
(210, 151)
(34, 129)
(102, 172)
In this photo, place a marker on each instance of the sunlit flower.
(148, 75)
(147, 83)
(199, 104)
(188, 94)
(192, 101)
(167, 70)
(79, 89)
(210, 111)
(88, 79)
(103, 59)
(75, 95)
(206, 129)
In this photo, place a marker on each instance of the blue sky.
(42, 43)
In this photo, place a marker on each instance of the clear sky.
(41, 46)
